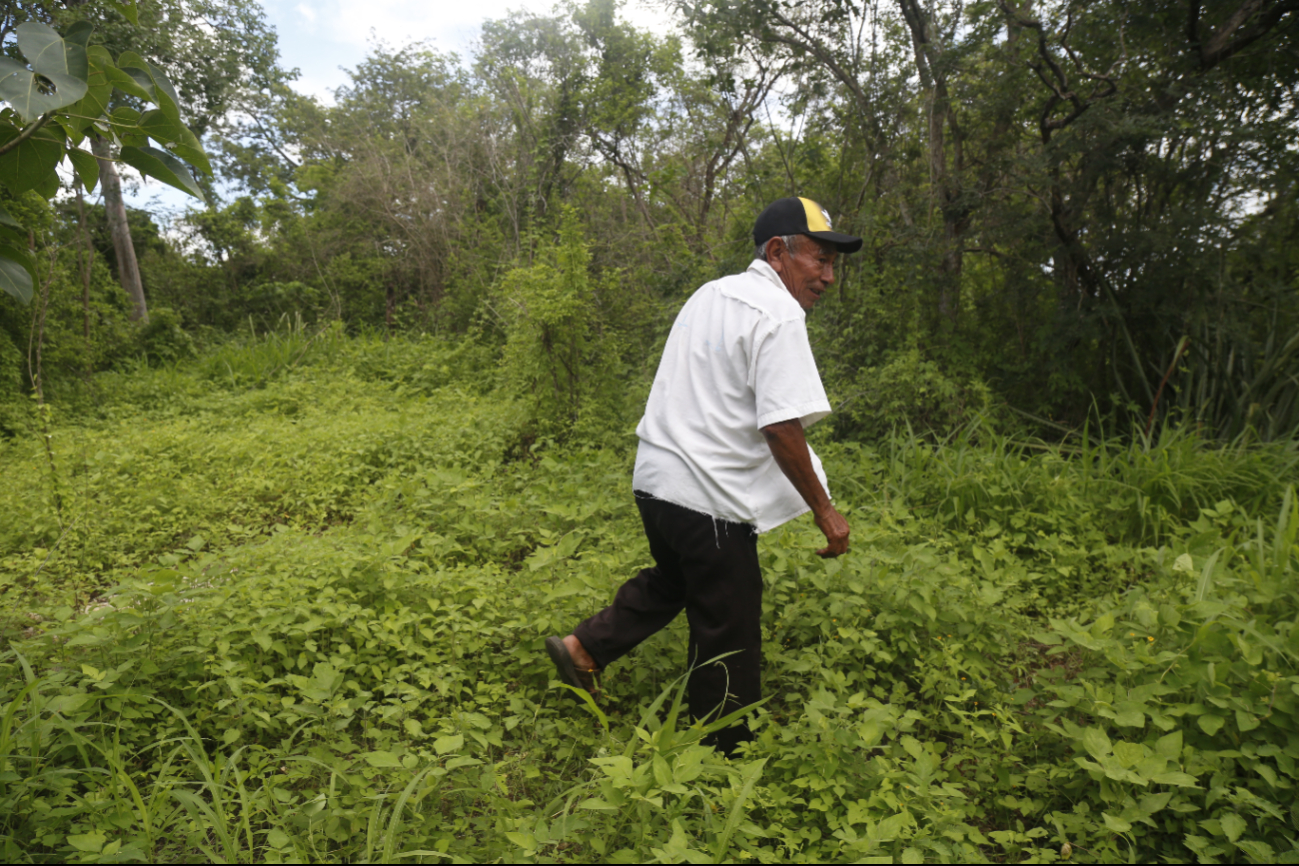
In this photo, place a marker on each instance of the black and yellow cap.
(800, 216)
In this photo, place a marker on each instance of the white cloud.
(306, 12)
(451, 26)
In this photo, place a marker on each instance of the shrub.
(909, 391)
(163, 338)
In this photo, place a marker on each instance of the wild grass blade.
(1206, 575)
(750, 774)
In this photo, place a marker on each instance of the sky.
(322, 38)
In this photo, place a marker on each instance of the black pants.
(710, 568)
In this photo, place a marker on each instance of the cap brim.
(844, 243)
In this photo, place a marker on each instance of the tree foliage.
(1069, 208)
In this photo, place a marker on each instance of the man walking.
(723, 457)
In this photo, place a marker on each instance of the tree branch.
(26, 133)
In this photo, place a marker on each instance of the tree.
(56, 101)
(215, 49)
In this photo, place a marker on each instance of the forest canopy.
(1068, 208)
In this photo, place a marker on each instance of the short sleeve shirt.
(737, 360)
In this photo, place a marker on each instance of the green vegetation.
(286, 601)
(296, 484)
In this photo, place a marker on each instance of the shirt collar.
(759, 268)
(763, 269)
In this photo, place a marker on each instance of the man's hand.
(835, 528)
(789, 446)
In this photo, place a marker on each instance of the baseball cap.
(800, 216)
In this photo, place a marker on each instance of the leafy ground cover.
(286, 602)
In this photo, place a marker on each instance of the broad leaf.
(16, 273)
(126, 121)
(382, 759)
(1233, 825)
(159, 126)
(7, 218)
(99, 90)
(59, 63)
(161, 165)
(127, 83)
(184, 143)
(87, 167)
(152, 79)
(1096, 743)
(79, 33)
(167, 98)
(31, 163)
(128, 9)
(51, 55)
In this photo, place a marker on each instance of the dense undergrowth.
(286, 602)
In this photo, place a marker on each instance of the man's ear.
(771, 251)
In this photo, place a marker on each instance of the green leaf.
(1181, 780)
(448, 744)
(162, 165)
(23, 92)
(1096, 743)
(79, 33)
(7, 218)
(1129, 754)
(99, 89)
(49, 54)
(1245, 721)
(382, 760)
(57, 62)
(1130, 715)
(277, 838)
(152, 79)
(87, 167)
(1210, 724)
(1169, 746)
(168, 100)
(1232, 825)
(128, 9)
(1118, 825)
(127, 83)
(30, 163)
(15, 276)
(88, 842)
(158, 126)
(184, 143)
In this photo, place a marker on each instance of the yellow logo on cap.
(817, 218)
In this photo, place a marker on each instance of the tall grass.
(1139, 488)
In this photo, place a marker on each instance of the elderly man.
(723, 457)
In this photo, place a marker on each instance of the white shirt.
(738, 359)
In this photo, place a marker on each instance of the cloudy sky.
(321, 38)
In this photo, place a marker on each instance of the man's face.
(806, 270)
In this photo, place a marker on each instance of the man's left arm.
(788, 445)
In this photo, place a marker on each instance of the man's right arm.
(788, 445)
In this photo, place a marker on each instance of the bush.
(163, 338)
(909, 391)
(563, 358)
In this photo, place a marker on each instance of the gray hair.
(761, 252)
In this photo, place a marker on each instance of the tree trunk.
(945, 184)
(86, 260)
(128, 269)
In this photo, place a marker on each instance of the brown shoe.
(569, 672)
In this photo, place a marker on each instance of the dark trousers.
(710, 568)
